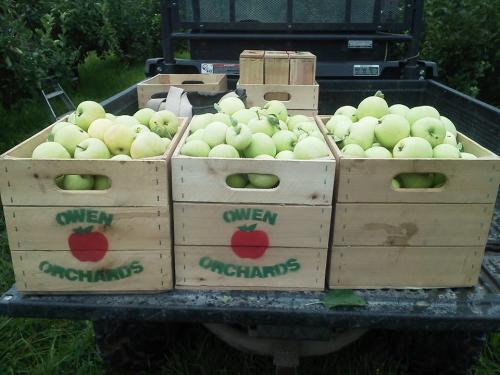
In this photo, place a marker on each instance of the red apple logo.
(87, 246)
(249, 243)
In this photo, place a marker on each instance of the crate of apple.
(265, 133)
(91, 133)
(376, 130)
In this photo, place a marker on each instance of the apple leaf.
(379, 94)
(234, 122)
(342, 297)
(50, 138)
(217, 107)
(460, 146)
(248, 228)
(273, 120)
(83, 230)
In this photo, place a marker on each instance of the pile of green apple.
(375, 130)
(258, 133)
(91, 133)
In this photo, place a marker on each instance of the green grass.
(40, 346)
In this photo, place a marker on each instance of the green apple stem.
(379, 94)
(247, 228)
(217, 107)
(83, 230)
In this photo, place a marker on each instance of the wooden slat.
(146, 271)
(369, 180)
(252, 67)
(276, 67)
(411, 224)
(48, 228)
(404, 267)
(189, 273)
(294, 96)
(29, 182)
(285, 226)
(162, 82)
(302, 68)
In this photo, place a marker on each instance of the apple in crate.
(119, 138)
(429, 128)
(70, 136)
(92, 148)
(144, 115)
(50, 150)
(164, 123)
(87, 112)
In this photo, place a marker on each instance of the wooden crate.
(115, 240)
(296, 97)
(252, 66)
(276, 67)
(269, 239)
(302, 68)
(189, 82)
(411, 238)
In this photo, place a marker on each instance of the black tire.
(128, 347)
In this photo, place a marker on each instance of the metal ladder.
(52, 89)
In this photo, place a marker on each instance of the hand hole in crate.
(411, 181)
(260, 181)
(78, 182)
(281, 96)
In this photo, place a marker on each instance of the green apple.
(261, 144)
(446, 151)
(110, 116)
(78, 182)
(341, 130)
(412, 148)
(348, 111)
(198, 134)
(224, 151)
(126, 120)
(284, 140)
(263, 181)
(70, 136)
(317, 133)
(229, 105)
(417, 113)
(215, 133)
(166, 143)
(146, 145)
(243, 116)
(50, 150)
(439, 180)
(378, 153)
(467, 155)
(98, 127)
(277, 108)
(308, 127)
(237, 181)
(361, 133)
(353, 150)
(398, 109)
(282, 126)
(335, 120)
(375, 106)
(450, 126)
(119, 138)
(222, 117)
(429, 128)
(196, 148)
(72, 118)
(88, 111)
(139, 128)
(239, 136)
(144, 115)
(121, 157)
(395, 183)
(92, 148)
(416, 180)
(262, 125)
(57, 126)
(301, 134)
(102, 183)
(390, 129)
(310, 148)
(295, 120)
(250, 186)
(285, 155)
(200, 122)
(164, 123)
(59, 180)
(376, 144)
(450, 139)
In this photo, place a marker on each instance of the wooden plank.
(302, 68)
(218, 267)
(118, 271)
(276, 67)
(295, 97)
(29, 182)
(404, 267)
(419, 224)
(369, 180)
(284, 226)
(252, 66)
(122, 228)
(305, 112)
(314, 187)
(162, 82)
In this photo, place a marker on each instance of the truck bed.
(475, 308)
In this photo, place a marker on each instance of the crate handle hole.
(281, 96)
(431, 181)
(79, 182)
(259, 181)
(192, 82)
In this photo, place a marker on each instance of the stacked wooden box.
(405, 238)
(114, 240)
(268, 239)
(288, 76)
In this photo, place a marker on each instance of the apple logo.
(86, 245)
(247, 242)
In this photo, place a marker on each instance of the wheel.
(134, 346)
